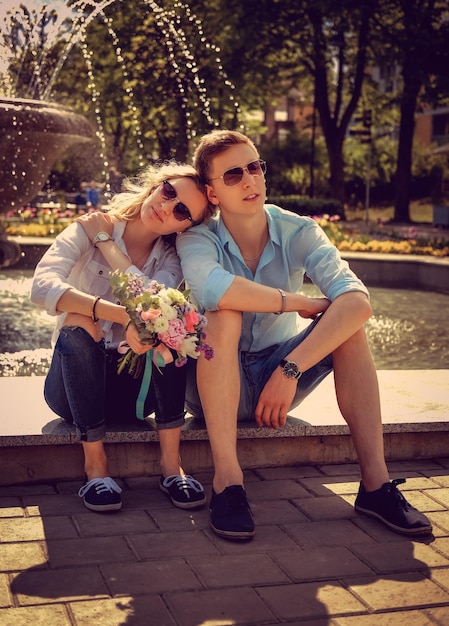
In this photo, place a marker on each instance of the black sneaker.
(101, 494)
(184, 491)
(390, 507)
(230, 515)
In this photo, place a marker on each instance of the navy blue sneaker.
(101, 494)
(184, 491)
(230, 515)
(389, 506)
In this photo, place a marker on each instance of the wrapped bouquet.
(165, 318)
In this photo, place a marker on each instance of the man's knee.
(224, 325)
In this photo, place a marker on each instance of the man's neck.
(249, 233)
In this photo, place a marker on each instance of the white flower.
(168, 311)
(188, 347)
(160, 324)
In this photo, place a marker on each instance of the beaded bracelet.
(284, 301)
(94, 317)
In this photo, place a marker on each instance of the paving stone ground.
(314, 560)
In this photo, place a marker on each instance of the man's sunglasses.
(234, 176)
(180, 211)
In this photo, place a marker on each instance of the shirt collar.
(228, 242)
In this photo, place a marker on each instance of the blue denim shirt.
(210, 260)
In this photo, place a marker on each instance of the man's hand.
(275, 400)
(312, 307)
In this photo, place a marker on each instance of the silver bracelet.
(284, 301)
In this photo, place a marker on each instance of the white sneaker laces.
(101, 485)
(183, 483)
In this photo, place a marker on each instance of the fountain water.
(404, 333)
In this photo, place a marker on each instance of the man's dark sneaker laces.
(230, 514)
(389, 506)
(101, 495)
(184, 491)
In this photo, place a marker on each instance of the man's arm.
(344, 317)
(246, 295)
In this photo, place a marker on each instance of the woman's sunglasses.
(234, 176)
(180, 211)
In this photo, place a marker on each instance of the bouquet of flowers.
(164, 317)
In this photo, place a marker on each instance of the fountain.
(33, 135)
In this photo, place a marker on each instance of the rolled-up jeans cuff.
(96, 433)
(178, 421)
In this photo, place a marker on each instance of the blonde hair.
(127, 204)
(214, 143)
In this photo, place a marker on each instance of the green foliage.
(289, 164)
(148, 69)
(308, 206)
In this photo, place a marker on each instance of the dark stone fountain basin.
(33, 135)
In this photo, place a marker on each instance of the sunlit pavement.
(313, 561)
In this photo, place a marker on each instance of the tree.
(414, 35)
(334, 45)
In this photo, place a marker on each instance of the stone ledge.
(413, 401)
(409, 271)
(37, 446)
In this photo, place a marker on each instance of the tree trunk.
(337, 167)
(405, 148)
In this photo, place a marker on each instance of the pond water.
(408, 329)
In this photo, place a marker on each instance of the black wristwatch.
(290, 369)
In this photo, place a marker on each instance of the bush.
(302, 205)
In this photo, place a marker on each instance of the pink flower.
(191, 320)
(149, 315)
(174, 335)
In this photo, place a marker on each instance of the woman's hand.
(133, 340)
(96, 222)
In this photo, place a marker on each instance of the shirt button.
(100, 272)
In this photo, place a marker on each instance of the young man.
(245, 268)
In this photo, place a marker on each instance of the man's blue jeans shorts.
(255, 370)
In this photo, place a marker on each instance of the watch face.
(290, 369)
(100, 237)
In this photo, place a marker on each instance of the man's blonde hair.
(214, 143)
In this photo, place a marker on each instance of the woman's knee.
(82, 321)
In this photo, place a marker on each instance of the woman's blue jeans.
(84, 388)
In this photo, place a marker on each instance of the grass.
(421, 212)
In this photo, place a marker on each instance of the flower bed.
(349, 238)
(43, 221)
(49, 221)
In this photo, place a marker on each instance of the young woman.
(72, 282)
